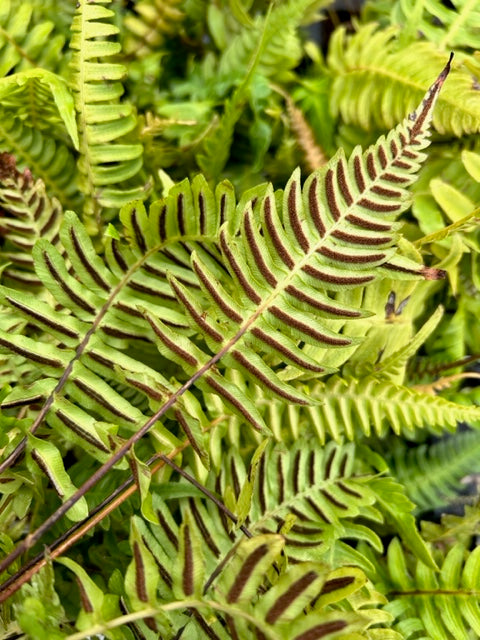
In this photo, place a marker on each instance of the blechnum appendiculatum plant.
(236, 416)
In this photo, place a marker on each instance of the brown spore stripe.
(280, 248)
(371, 169)
(181, 213)
(163, 572)
(98, 397)
(296, 471)
(40, 206)
(257, 254)
(302, 544)
(343, 465)
(378, 206)
(41, 463)
(311, 468)
(245, 572)
(264, 379)
(205, 627)
(148, 391)
(49, 223)
(167, 530)
(175, 259)
(393, 177)
(82, 433)
(321, 630)
(301, 516)
(231, 628)
(336, 583)
(203, 528)
(328, 496)
(101, 360)
(114, 332)
(223, 517)
(78, 300)
(346, 489)
(141, 288)
(328, 463)
(162, 223)
(304, 328)
(331, 196)
(49, 362)
(348, 258)
(402, 164)
(361, 240)
(197, 317)
(343, 182)
(96, 277)
(173, 346)
(118, 255)
(306, 531)
(128, 310)
(317, 304)
(335, 279)
(314, 506)
(233, 401)
(294, 218)
(394, 147)
(399, 269)
(223, 208)
(234, 478)
(249, 290)
(47, 321)
(388, 193)
(201, 208)
(274, 344)
(226, 308)
(282, 603)
(140, 240)
(358, 171)
(368, 224)
(187, 577)
(382, 156)
(188, 432)
(140, 582)
(314, 208)
(20, 403)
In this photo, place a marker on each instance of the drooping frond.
(374, 83)
(432, 474)
(108, 160)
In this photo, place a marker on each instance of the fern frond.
(350, 408)
(27, 214)
(432, 474)
(25, 42)
(374, 82)
(107, 160)
(47, 159)
(438, 605)
(149, 23)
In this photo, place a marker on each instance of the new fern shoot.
(223, 384)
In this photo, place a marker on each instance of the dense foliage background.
(232, 408)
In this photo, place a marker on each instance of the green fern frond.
(46, 158)
(25, 42)
(149, 23)
(27, 214)
(432, 474)
(352, 408)
(375, 82)
(107, 160)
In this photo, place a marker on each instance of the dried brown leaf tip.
(8, 169)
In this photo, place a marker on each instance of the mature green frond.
(46, 158)
(432, 474)
(24, 42)
(437, 605)
(107, 160)
(27, 214)
(374, 82)
(149, 23)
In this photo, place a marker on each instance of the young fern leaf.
(149, 24)
(336, 232)
(106, 160)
